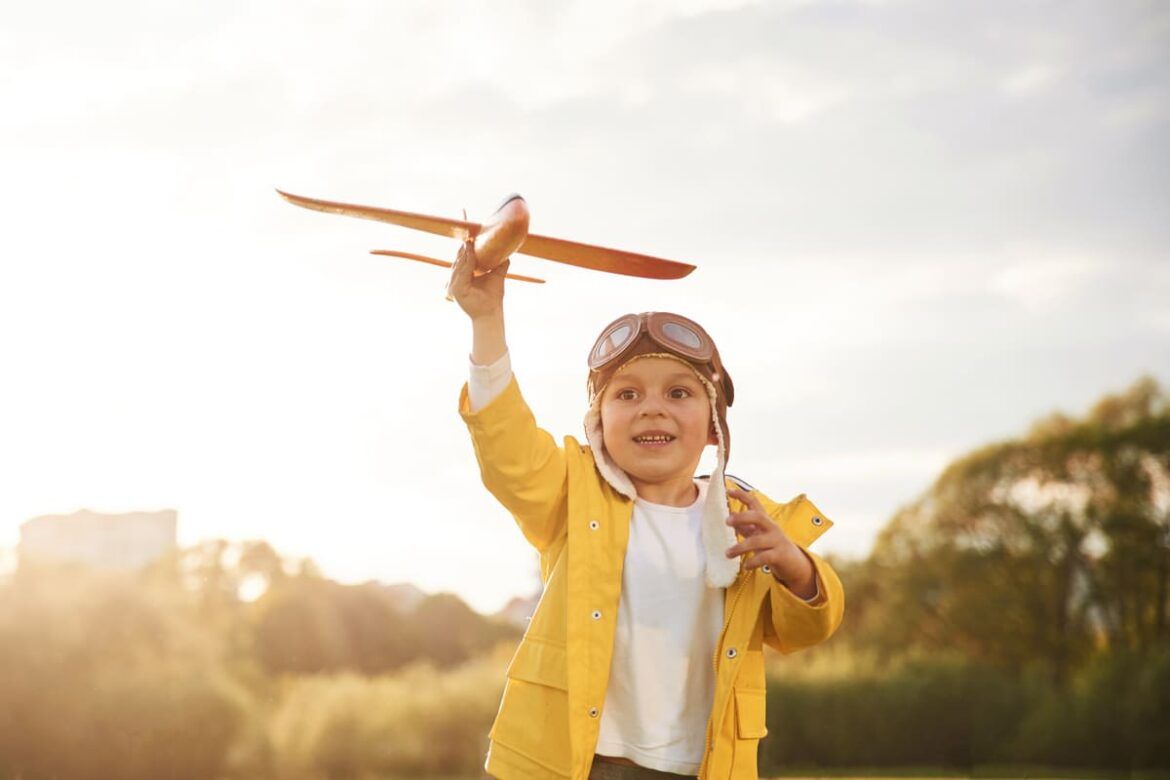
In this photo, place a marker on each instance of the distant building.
(108, 541)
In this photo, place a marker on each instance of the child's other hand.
(767, 543)
(479, 296)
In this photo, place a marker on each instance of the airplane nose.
(509, 199)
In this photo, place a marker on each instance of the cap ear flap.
(728, 387)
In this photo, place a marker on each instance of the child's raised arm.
(482, 298)
(519, 462)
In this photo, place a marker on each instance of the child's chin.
(647, 472)
(649, 466)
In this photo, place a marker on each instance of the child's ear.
(712, 438)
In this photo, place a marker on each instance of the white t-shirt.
(662, 679)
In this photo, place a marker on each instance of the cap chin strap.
(717, 535)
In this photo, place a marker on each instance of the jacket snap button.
(817, 521)
(731, 652)
(767, 569)
(597, 614)
(593, 525)
(593, 712)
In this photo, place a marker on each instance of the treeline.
(948, 712)
(1014, 614)
(170, 673)
(303, 623)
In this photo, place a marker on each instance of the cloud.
(1041, 282)
(1031, 79)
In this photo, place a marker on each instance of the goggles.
(673, 332)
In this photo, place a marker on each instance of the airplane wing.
(597, 258)
(452, 228)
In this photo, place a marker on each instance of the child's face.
(656, 395)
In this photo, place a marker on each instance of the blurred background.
(242, 532)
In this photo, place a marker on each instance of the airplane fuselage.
(502, 234)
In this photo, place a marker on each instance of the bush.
(1116, 715)
(98, 680)
(953, 713)
(942, 712)
(418, 722)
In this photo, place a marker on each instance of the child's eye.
(626, 395)
(685, 392)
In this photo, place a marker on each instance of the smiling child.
(644, 657)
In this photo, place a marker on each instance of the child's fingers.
(743, 527)
(458, 268)
(748, 498)
(751, 544)
(494, 276)
(466, 256)
(464, 268)
(754, 562)
(749, 523)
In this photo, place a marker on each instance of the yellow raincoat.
(548, 721)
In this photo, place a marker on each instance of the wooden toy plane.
(505, 232)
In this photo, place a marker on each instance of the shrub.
(417, 722)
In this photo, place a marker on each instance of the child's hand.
(768, 543)
(479, 296)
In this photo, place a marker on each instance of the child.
(644, 657)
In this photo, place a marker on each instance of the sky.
(918, 227)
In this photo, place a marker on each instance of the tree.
(1048, 547)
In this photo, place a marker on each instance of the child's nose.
(652, 406)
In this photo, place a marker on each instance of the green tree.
(310, 625)
(1045, 548)
(450, 632)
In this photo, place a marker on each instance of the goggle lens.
(613, 342)
(682, 335)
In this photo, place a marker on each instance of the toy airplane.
(505, 232)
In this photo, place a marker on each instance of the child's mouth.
(653, 442)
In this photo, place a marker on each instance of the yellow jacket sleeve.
(795, 623)
(520, 464)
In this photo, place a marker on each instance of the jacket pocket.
(750, 712)
(534, 713)
(541, 661)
